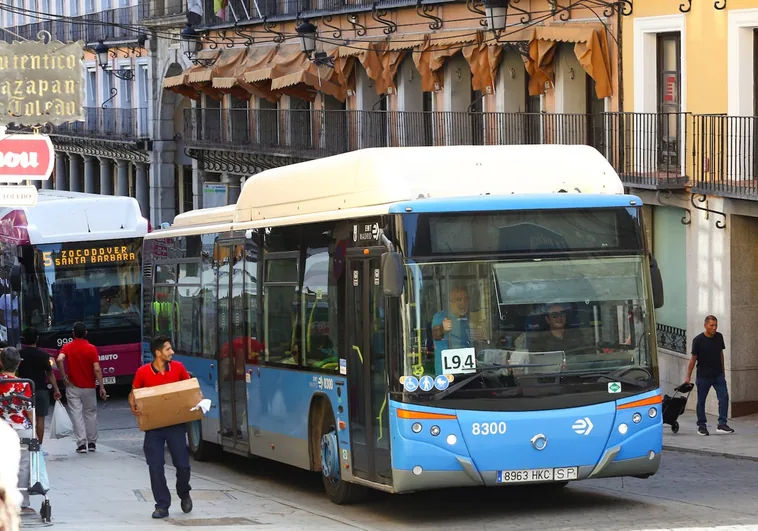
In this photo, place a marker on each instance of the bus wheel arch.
(324, 448)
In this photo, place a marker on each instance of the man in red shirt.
(83, 370)
(164, 371)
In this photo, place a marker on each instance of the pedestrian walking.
(708, 352)
(162, 371)
(17, 413)
(35, 366)
(83, 372)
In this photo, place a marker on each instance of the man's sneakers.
(187, 504)
(160, 513)
(91, 447)
(722, 428)
(82, 449)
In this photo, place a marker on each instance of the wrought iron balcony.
(630, 141)
(726, 155)
(109, 25)
(155, 10)
(123, 125)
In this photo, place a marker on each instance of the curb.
(229, 486)
(710, 453)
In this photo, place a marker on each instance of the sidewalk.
(742, 444)
(110, 490)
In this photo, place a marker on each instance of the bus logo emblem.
(539, 442)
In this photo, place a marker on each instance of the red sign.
(25, 157)
(669, 88)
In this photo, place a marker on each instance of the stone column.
(90, 174)
(162, 182)
(142, 190)
(60, 173)
(123, 178)
(74, 173)
(106, 176)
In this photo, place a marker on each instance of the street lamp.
(101, 51)
(307, 33)
(192, 45)
(496, 13)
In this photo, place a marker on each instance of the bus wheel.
(201, 450)
(339, 492)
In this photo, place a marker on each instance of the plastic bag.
(61, 425)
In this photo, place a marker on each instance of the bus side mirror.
(393, 274)
(656, 283)
(16, 278)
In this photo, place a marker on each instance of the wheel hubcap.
(330, 465)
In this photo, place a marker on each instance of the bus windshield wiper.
(453, 388)
(609, 376)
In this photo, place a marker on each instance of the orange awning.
(591, 49)
(233, 82)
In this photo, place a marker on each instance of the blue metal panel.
(483, 203)
(205, 370)
(284, 398)
(575, 436)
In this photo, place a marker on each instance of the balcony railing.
(110, 124)
(109, 25)
(244, 10)
(157, 9)
(639, 146)
(725, 149)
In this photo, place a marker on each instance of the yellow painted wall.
(706, 50)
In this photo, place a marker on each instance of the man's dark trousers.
(155, 442)
(704, 383)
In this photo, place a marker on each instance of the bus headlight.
(416, 427)
(435, 431)
(652, 413)
(637, 418)
(623, 428)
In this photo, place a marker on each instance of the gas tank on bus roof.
(380, 176)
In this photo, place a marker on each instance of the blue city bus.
(416, 318)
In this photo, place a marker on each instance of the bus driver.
(450, 328)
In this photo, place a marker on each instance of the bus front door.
(232, 351)
(368, 371)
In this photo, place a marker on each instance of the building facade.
(392, 73)
(110, 151)
(689, 72)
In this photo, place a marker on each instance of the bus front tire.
(201, 450)
(338, 491)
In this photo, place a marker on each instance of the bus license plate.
(109, 380)
(537, 475)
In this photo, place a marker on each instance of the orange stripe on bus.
(651, 401)
(420, 415)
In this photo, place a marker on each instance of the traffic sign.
(25, 157)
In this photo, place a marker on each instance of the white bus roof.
(367, 182)
(60, 217)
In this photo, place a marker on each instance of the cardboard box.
(169, 404)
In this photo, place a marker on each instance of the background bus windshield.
(94, 282)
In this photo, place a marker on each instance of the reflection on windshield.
(99, 285)
(538, 323)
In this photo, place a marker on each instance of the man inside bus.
(558, 337)
(451, 328)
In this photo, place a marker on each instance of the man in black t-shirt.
(708, 352)
(35, 365)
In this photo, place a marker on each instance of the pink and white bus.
(75, 257)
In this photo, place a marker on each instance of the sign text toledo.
(41, 82)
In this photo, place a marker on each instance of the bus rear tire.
(338, 491)
(201, 450)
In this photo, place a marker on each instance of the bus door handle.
(210, 374)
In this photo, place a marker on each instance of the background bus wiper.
(456, 386)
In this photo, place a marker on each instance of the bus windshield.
(97, 283)
(529, 328)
